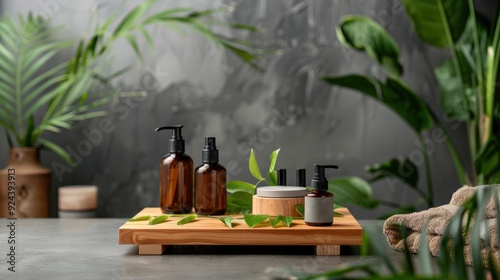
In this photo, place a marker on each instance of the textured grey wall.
(190, 81)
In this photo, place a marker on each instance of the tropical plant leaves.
(240, 186)
(409, 106)
(488, 161)
(433, 20)
(272, 160)
(239, 203)
(253, 220)
(253, 166)
(352, 191)
(404, 170)
(364, 34)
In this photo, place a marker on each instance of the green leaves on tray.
(253, 220)
(227, 220)
(159, 219)
(187, 219)
(141, 218)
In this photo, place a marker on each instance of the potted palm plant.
(37, 96)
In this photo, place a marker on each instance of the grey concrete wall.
(190, 81)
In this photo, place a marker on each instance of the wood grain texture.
(210, 231)
(276, 206)
(152, 249)
(328, 250)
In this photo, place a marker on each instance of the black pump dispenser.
(319, 181)
(176, 141)
(281, 177)
(210, 152)
(300, 177)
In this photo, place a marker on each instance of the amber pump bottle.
(176, 176)
(318, 205)
(210, 182)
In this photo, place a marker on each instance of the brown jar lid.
(78, 198)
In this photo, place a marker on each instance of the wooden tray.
(209, 231)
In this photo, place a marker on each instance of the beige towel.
(441, 217)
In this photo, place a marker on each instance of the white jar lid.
(281, 191)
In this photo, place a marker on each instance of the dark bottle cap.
(319, 181)
(300, 177)
(176, 141)
(210, 152)
(281, 177)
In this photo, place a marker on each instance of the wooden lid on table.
(78, 198)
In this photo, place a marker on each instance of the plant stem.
(20, 141)
(457, 159)
(430, 194)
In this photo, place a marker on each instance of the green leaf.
(254, 166)
(337, 214)
(404, 170)
(131, 19)
(352, 191)
(240, 186)
(133, 43)
(272, 159)
(239, 203)
(380, 248)
(300, 209)
(424, 254)
(275, 221)
(141, 218)
(273, 178)
(453, 103)
(187, 219)
(436, 20)
(488, 161)
(253, 220)
(287, 220)
(364, 34)
(395, 95)
(56, 149)
(227, 220)
(159, 219)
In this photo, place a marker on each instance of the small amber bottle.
(176, 176)
(210, 182)
(318, 205)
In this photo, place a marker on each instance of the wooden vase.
(29, 184)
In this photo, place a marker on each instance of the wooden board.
(209, 231)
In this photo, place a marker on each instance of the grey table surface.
(89, 249)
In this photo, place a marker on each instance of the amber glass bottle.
(176, 176)
(210, 182)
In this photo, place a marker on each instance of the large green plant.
(37, 96)
(467, 87)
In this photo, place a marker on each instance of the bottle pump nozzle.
(210, 152)
(176, 141)
(319, 179)
(281, 177)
